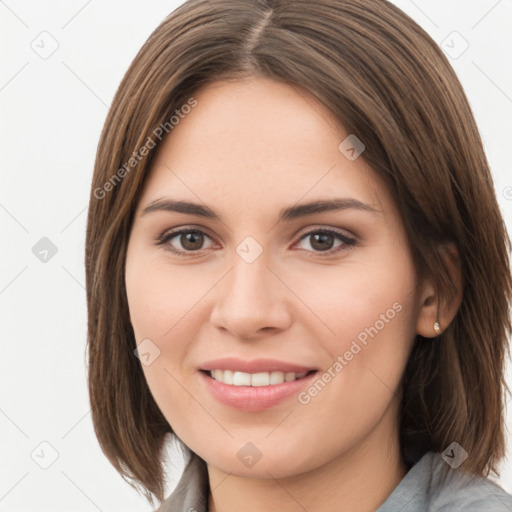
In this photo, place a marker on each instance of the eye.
(322, 240)
(191, 241)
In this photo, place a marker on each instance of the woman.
(296, 266)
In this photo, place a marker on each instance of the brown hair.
(389, 84)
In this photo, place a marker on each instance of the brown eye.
(323, 240)
(190, 240)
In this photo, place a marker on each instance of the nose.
(251, 301)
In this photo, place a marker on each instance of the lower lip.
(254, 399)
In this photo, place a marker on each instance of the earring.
(437, 328)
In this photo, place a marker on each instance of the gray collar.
(192, 491)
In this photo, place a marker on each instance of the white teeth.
(254, 379)
(239, 378)
(258, 379)
(226, 376)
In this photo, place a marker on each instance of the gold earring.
(437, 328)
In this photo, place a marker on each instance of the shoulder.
(432, 485)
(454, 490)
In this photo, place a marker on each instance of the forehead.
(258, 142)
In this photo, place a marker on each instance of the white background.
(52, 111)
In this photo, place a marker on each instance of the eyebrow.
(286, 214)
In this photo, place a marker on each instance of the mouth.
(259, 379)
(255, 392)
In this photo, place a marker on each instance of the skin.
(247, 150)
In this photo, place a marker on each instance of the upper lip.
(254, 366)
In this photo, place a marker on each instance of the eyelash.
(348, 242)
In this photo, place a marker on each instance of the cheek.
(163, 304)
(360, 300)
(370, 313)
(158, 298)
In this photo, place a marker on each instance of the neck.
(357, 481)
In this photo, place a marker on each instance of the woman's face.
(278, 288)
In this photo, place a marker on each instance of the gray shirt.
(423, 489)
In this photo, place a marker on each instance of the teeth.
(254, 379)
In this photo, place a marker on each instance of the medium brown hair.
(387, 82)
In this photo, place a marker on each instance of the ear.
(434, 308)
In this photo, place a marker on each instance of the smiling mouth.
(236, 378)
